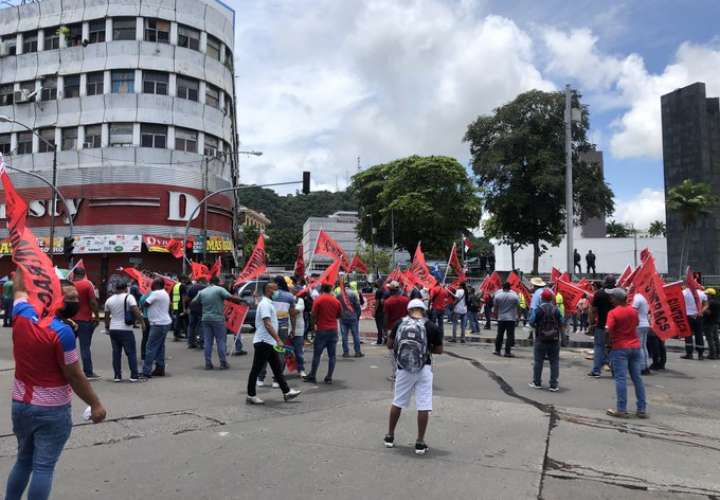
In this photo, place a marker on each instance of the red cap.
(546, 294)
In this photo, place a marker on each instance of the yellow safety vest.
(176, 296)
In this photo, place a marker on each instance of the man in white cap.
(413, 340)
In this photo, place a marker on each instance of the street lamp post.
(53, 201)
(372, 242)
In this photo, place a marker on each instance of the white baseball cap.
(417, 304)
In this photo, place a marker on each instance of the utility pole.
(205, 206)
(569, 209)
(635, 252)
(53, 204)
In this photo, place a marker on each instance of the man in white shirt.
(118, 308)
(640, 304)
(459, 313)
(265, 340)
(158, 311)
(693, 299)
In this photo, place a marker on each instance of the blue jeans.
(84, 334)
(644, 355)
(214, 330)
(8, 307)
(349, 325)
(41, 432)
(193, 329)
(541, 350)
(123, 340)
(463, 324)
(238, 345)
(324, 339)
(623, 360)
(298, 343)
(155, 350)
(599, 354)
(474, 323)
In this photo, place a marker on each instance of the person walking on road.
(413, 340)
(640, 304)
(622, 326)
(87, 319)
(265, 341)
(695, 304)
(194, 309)
(601, 306)
(47, 371)
(395, 306)
(326, 311)
(439, 297)
(506, 304)
(349, 322)
(212, 323)
(710, 319)
(547, 321)
(460, 313)
(158, 307)
(121, 313)
(179, 316)
(379, 313)
(284, 304)
(590, 263)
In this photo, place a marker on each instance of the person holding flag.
(695, 304)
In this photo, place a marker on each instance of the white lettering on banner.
(174, 209)
(40, 208)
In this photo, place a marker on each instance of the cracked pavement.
(191, 435)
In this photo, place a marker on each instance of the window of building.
(213, 47)
(123, 28)
(93, 136)
(47, 135)
(5, 141)
(30, 41)
(123, 81)
(211, 145)
(6, 95)
(9, 45)
(186, 140)
(188, 37)
(24, 143)
(71, 86)
(69, 139)
(187, 88)
(121, 135)
(97, 31)
(228, 58)
(52, 39)
(95, 84)
(153, 136)
(29, 88)
(49, 89)
(155, 82)
(227, 105)
(73, 36)
(212, 95)
(157, 30)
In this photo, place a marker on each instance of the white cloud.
(648, 206)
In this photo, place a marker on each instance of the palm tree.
(657, 228)
(691, 201)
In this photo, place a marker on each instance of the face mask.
(69, 310)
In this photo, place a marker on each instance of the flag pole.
(448, 264)
(312, 255)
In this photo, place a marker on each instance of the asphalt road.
(191, 435)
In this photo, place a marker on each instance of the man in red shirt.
(87, 319)
(394, 307)
(625, 355)
(326, 311)
(439, 298)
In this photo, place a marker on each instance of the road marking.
(223, 434)
(373, 366)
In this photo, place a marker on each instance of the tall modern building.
(137, 97)
(691, 150)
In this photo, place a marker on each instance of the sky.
(321, 83)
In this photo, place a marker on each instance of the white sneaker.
(303, 374)
(259, 383)
(532, 385)
(291, 394)
(254, 400)
(117, 379)
(276, 385)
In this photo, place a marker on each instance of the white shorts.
(420, 383)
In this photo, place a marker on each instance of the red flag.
(299, 270)
(571, 294)
(216, 267)
(454, 264)
(644, 254)
(235, 316)
(330, 248)
(199, 270)
(585, 285)
(518, 287)
(358, 264)
(169, 283)
(625, 275)
(420, 270)
(467, 244)
(693, 287)
(41, 282)
(407, 279)
(255, 265)
(676, 302)
(555, 275)
(566, 277)
(330, 275)
(143, 280)
(649, 285)
(175, 247)
(394, 275)
(491, 284)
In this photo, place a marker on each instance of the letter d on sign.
(176, 210)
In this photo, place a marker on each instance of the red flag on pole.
(330, 248)
(143, 280)
(299, 269)
(571, 294)
(491, 284)
(255, 265)
(676, 303)
(454, 264)
(648, 283)
(394, 275)
(330, 275)
(358, 264)
(41, 282)
(555, 275)
(518, 287)
(420, 270)
(199, 270)
(625, 275)
(216, 267)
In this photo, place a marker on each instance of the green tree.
(428, 199)
(691, 201)
(617, 230)
(518, 156)
(383, 259)
(657, 228)
(248, 238)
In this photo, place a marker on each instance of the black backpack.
(548, 329)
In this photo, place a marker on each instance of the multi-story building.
(340, 226)
(137, 97)
(691, 150)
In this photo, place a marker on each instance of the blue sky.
(321, 82)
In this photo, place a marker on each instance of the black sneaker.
(593, 375)
(209, 366)
(452, 340)
(142, 377)
(421, 448)
(462, 341)
(93, 376)
(310, 380)
(497, 353)
(359, 355)
(687, 356)
(328, 381)
(346, 355)
(509, 355)
(389, 441)
(224, 365)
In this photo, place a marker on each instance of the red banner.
(407, 279)
(394, 275)
(368, 309)
(235, 316)
(491, 284)
(358, 264)
(566, 277)
(676, 302)
(216, 267)
(299, 270)
(163, 244)
(518, 287)
(39, 277)
(330, 248)
(330, 275)
(454, 264)
(555, 275)
(571, 295)
(169, 283)
(143, 280)
(255, 265)
(649, 285)
(199, 270)
(625, 275)
(420, 271)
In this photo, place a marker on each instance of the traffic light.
(306, 183)
(68, 246)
